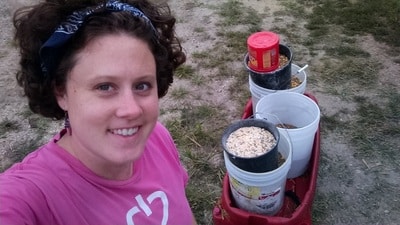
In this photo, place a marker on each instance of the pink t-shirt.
(50, 186)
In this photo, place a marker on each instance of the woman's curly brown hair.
(35, 24)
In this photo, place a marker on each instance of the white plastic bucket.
(297, 110)
(257, 92)
(261, 193)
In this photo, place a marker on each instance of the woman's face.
(112, 102)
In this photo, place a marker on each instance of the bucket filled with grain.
(261, 193)
(252, 145)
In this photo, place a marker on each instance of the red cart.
(299, 195)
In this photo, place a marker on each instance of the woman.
(102, 66)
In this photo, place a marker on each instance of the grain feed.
(248, 142)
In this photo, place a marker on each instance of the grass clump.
(233, 13)
(18, 150)
(332, 123)
(7, 125)
(179, 93)
(25, 143)
(344, 77)
(185, 72)
(376, 129)
(347, 51)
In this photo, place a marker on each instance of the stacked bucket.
(277, 89)
(270, 67)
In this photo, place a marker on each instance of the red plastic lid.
(263, 40)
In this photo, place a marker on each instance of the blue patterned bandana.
(49, 54)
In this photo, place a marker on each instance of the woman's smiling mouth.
(125, 131)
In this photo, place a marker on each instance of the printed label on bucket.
(245, 190)
(259, 200)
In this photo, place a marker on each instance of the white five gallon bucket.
(257, 92)
(297, 110)
(261, 193)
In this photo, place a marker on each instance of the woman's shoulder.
(162, 145)
(161, 135)
(20, 193)
(38, 168)
(160, 128)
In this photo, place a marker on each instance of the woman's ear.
(61, 96)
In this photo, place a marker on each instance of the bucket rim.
(284, 165)
(250, 120)
(301, 86)
(298, 95)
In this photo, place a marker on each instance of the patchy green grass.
(7, 125)
(185, 72)
(25, 144)
(361, 17)
(233, 12)
(180, 93)
(346, 50)
(18, 150)
(362, 73)
(376, 131)
(333, 123)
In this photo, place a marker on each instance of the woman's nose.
(128, 106)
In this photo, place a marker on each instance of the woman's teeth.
(125, 132)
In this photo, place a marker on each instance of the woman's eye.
(143, 87)
(104, 87)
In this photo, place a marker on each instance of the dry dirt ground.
(192, 14)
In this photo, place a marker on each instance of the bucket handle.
(280, 122)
